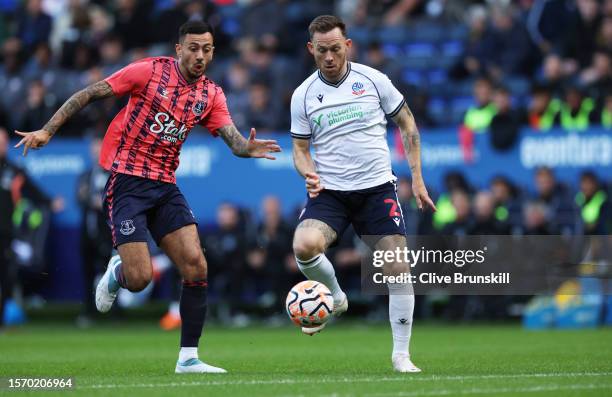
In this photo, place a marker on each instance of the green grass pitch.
(344, 360)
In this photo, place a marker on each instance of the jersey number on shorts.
(393, 211)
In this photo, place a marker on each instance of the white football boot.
(105, 295)
(336, 312)
(195, 366)
(401, 363)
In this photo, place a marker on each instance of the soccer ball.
(309, 304)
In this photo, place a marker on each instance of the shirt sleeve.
(300, 128)
(131, 79)
(391, 100)
(218, 116)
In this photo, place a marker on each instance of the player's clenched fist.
(33, 140)
(313, 184)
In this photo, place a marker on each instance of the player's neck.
(186, 74)
(337, 78)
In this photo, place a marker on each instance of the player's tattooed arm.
(328, 233)
(234, 139)
(411, 141)
(241, 147)
(76, 102)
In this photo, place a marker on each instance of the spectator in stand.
(236, 87)
(445, 212)
(581, 40)
(476, 54)
(463, 223)
(385, 12)
(594, 206)
(21, 205)
(606, 8)
(419, 105)
(33, 25)
(169, 20)
(257, 11)
(507, 202)
(133, 23)
(509, 43)
(547, 22)
(41, 66)
(577, 112)
(266, 260)
(479, 116)
(604, 38)
(417, 222)
(536, 219)
(485, 222)
(111, 53)
(597, 78)
(38, 107)
(606, 112)
(12, 83)
(557, 198)
(96, 240)
(375, 57)
(543, 109)
(261, 113)
(505, 125)
(555, 72)
(226, 251)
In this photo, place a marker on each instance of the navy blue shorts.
(372, 212)
(135, 206)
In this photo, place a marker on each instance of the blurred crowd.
(483, 66)
(494, 63)
(258, 246)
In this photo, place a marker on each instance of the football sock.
(320, 269)
(187, 352)
(193, 312)
(401, 308)
(117, 280)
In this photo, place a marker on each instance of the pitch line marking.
(408, 378)
(530, 389)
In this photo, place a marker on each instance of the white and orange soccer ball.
(309, 304)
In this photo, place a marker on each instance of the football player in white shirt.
(341, 111)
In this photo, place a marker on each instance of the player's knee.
(307, 245)
(397, 268)
(194, 267)
(138, 280)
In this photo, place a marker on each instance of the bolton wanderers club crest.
(127, 227)
(358, 88)
(198, 108)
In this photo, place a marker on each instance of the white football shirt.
(346, 124)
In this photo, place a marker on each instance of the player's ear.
(310, 47)
(177, 48)
(349, 43)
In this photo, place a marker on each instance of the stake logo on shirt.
(165, 125)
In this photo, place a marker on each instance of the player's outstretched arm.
(37, 139)
(256, 148)
(412, 146)
(302, 160)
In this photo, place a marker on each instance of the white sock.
(401, 308)
(320, 269)
(174, 309)
(188, 352)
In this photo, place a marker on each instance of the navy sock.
(193, 312)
